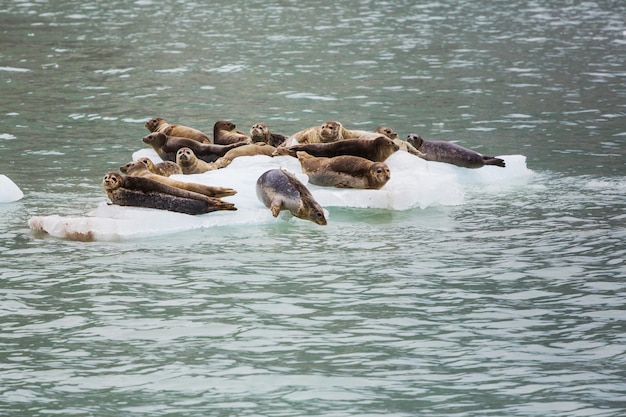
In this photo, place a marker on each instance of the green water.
(511, 304)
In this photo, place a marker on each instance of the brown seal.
(157, 124)
(358, 134)
(280, 190)
(330, 131)
(451, 153)
(145, 192)
(187, 161)
(225, 133)
(387, 131)
(137, 169)
(167, 146)
(251, 149)
(344, 171)
(165, 168)
(259, 132)
(376, 150)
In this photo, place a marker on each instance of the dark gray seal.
(145, 192)
(451, 153)
(280, 190)
(167, 146)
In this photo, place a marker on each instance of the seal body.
(250, 149)
(167, 146)
(344, 171)
(225, 133)
(137, 169)
(158, 124)
(280, 190)
(376, 150)
(259, 132)
(358, 134)
(145, 192)
(189, 163)
(451, 153)
(330, 131)
(165, 168)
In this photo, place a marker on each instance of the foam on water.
(9, 191)
(414, 183)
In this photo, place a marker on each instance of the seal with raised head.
(345, 171)
(387, 131)
(259, 132)
(329, 131)
(278, 189)
(187, 161)
(226, 133)
(158, 124)
(402, 144)
(137, 169)
(167, 146)
(145, 192)
(451, 153)
(376, 150)
(165, 168)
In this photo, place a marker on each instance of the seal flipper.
(276, 206)
(491, 160)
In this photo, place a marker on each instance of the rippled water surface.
(511, 304)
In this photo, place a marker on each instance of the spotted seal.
(278, 190)
(387, 131)
(259, 132)
(145, 192)
(226, 133)
(167, 146)
(189, 163)
(329, 131)
(345, 171)
(165, 168)
(376, 150)
(451, 153)
(158, 124)
(137, 169)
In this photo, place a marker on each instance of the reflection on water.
(510, 304)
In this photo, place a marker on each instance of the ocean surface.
(508, 302)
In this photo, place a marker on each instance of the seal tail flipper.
(490, 160)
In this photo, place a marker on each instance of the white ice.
(414, 183)
(9, 191)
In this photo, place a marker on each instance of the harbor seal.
(402, 144)
(376, 150)
(158, 124)
(327, 132)
(278, 190)
(357, 134)
(251, 149)
(225, 133)
(167, 146)
(165, 168)
(137, 169)
(345, 171)
(187, 161)
(145, 192)
(259, 132)
(387, 131)
(451, 153)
